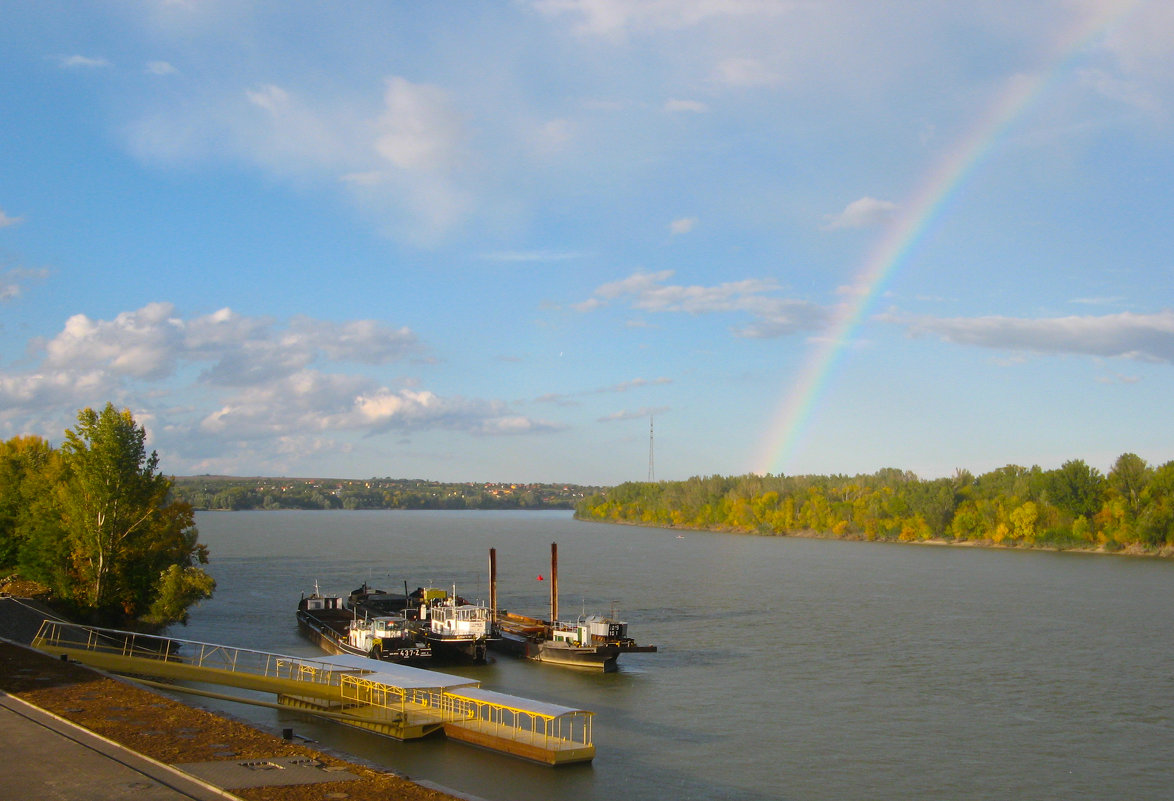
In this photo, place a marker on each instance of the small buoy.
(540, 577)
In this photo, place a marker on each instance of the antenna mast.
(651, 464)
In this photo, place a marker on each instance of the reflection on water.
(788, 668)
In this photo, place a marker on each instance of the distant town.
(237, 494)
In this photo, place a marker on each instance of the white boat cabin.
(591, 630)
(452, 620)
(318, 603)
(366, 634)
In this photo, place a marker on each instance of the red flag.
(540, 577)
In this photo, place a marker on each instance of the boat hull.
(604, 657)
(596, 657)
(458, 650)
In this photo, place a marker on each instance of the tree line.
(238, 494)
(1073, 506)
(95, 521)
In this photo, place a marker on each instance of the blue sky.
(486, 241)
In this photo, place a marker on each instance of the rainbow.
(926, 205)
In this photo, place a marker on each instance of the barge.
(594, 642)
(337, 628)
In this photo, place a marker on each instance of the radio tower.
(651, 465)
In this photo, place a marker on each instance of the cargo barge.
(337, 628)
(594, 642)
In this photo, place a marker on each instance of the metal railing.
(59, 635)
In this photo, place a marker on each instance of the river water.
(796, 669)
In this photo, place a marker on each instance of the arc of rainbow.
(926, 206)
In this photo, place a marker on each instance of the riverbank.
(174, 733)
(1165, 552)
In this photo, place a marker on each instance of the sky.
(591, 241)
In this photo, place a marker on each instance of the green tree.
(1128, 478)
(22, 459)
(1075, 488)
(1156, 522)
(177, 589)
(122, 531)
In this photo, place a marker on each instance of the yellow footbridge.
(394, 700)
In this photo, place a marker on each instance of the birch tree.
(121, 530)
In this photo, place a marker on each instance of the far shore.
(1166, 552)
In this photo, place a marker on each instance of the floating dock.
(393, 700)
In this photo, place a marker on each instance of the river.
(788, 669)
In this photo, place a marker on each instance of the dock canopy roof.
(393, 675)
(515, 703)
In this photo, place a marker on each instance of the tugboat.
(337, 628)
(455, 630)
(594, 642)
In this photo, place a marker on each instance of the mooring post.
(553, 582)
(493, 585)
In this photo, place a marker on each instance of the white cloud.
(6, 221)
(382, 406)
(401, 153)
(643, 413)
(81, 62)
(690, 106)
(40, 399)
(745, 73)
(360, 341)
(534, 255)
(682, 225)
(616, 18)
(649, 293)
(862, 213)
(258, 384)
(1121, 90)
(561, 399)
(13, 282)
(553, 136)
(1145, 337)
(161, 68)
(139, 344)
(1117, 378)
(291, 136)
(272, 98)
(384, 409)
(1140, 40)
(771, 316)
(507, 425)
(637, 383)
(419, 129)
(784, 318)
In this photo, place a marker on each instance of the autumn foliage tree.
(102, 530)
(1073, 506)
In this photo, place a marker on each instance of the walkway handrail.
(204, 655)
